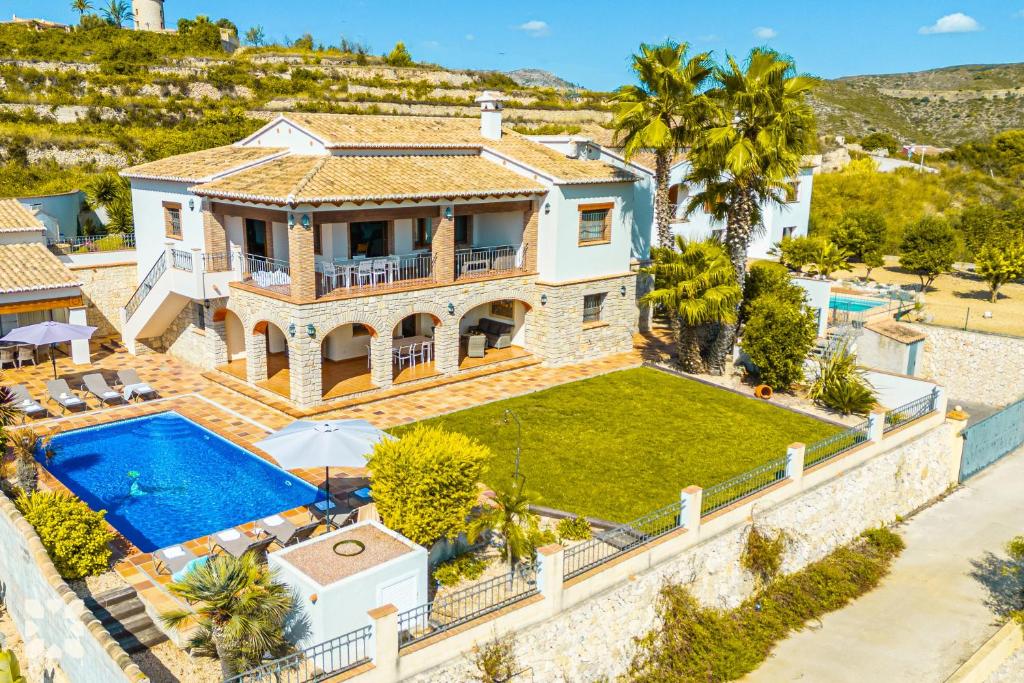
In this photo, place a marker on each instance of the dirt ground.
(958, 299)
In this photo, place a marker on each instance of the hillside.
(942, 106)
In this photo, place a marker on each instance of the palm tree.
(8, 416)
(103, 190)
(510, 518)
(761, 128)
(240, 608)
(663, 113)
(117, 12)
(81, 6)
(25, 444)
(696, 284)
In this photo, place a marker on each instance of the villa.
(337, 255)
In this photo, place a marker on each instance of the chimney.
(490, 114)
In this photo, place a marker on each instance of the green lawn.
(620, 445)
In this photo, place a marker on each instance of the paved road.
(935, 609)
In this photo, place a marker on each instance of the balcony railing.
(88, 244)
(219, 262)
(267, 273)
(370, 273)
(181, 260)
(483, 261)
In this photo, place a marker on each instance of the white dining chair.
(404, 355)
(364, 272)
(416, 353)
(427, 351)
(380, 270)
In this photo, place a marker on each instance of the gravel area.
(10, 639)
(320, 562)
(1012, 670)
(165, 663)
(93, 585)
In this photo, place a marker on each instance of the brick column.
(255, 357)
(442, 245)
(446, 346)
(215, 239)
(531, 218)
(300, 250)
(380, 360)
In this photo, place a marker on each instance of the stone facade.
(594, 640)
(973, 366)
(184, 339)
(106, 289)
(563, 338)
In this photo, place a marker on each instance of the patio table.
(401, 342)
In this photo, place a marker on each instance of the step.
(119, 612)
(133, 626)
(134, 643)
(111, 597)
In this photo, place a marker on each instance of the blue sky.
(589, 41)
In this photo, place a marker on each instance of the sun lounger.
(236, 543)
(60, 392)
(284, 532)
(174, 560)
(133, 386)
(98, 387)
(24, 403)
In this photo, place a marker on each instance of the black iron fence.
(316, 663)
(831, 446)
(909, 412)
(747, 484)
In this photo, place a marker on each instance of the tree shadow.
(1005, 588)
(981, 295)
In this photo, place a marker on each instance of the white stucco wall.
(148, 197)
(23, 237)
(818, 294)
(340, 344)
(287, 135)
(497, 229)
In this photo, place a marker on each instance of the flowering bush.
(76, 538)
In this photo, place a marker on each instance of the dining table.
(402, 342)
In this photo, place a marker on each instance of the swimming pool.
(163, 479)
(849, 303)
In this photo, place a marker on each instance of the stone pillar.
(305, 368)
(446, 346)
(644, 284)
(255, 356)
(876, 423)
(237, 261)
(531, 218)
(302, 264)
(551, 575)
(795, 461)
(380, 360)
(215, 238)
(198, 273)
(217, 331)
(958, 420)
(692, 498)
(442, 245)
(384, 620)
(79, 349)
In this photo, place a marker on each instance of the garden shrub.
(464, 567)
(762, 554)
(764, 278)
(496, 662)
(796, 252)
(539, 536)
(425, 483)
(841, 385)
(700, 644)
(573, 529)
(778, 337)
(76, 538)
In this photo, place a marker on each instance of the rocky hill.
(538, 78)
(941, 106)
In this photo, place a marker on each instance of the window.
(422, 233)
(360, 330)
(793, 192)
(172, 220)
(678, 195)
(592, 307)
(595, 223)
(199, 315)
(718, 234)
(318, 240)
(463, 230)
(788, 231)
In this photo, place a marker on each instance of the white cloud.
(470, 36)
(765, 32)
(958, 22)
(535, 27)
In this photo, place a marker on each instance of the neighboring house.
(314, 242)
(34, 284)
(62, 213)
(788, 220)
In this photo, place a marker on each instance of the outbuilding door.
(401, 594)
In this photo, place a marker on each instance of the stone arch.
(520, 294)
(437, 312)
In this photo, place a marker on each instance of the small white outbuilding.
(339, 576)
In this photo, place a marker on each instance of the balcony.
(273, 275)
(366, 275)
(477, 263)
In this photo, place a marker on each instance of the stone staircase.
(124, 616)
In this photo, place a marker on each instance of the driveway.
(938, 605)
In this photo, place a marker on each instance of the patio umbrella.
(328, 443)
(49, 332)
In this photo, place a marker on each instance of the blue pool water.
(190, 482)
(847, 303)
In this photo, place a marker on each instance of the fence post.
(940, 399)
(795, 462)
(551, 573)
(958, 419)
(198, 268)
(692, 499)
(876, 423)
(235, 258)
(385, 642)
(168, 253)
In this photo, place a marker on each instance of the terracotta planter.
(763, 391)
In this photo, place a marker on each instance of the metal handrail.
(315, 663)
(744, 485)
(345, 274)
(146, 286)
(267, 273)
(908, 412)
(181, 260)
(115, 241)
(506, 258)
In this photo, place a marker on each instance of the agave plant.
(26, 443)
(841, 384)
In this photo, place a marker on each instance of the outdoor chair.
(283, 532)
(24, 403)
(405, 356)
(237, 543)
(26, 354)
(98, 387)
(60, 392)
(476, 346)
(7, 356)
(176, 560)
(427, 350)
(134, 386)
(364, 272)
(380, 270)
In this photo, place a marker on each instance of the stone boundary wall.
(63, 640)
(973, 366)
(106, 289)
(593, 638)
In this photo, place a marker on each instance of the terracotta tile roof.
(359, 131)
(31, 267)
(894, 330)
(16, 217)
(203, 165)
(332, 179)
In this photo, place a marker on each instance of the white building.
(148, 15)
(298, 259)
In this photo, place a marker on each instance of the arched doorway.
(413, 350)
(278, 368)
(493, 332)
(231, 331)
(345, 360)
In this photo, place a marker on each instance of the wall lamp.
(291, 220)
(543, 299)
(451, 308)
(622, 290)
(291, 330)
(448, 213)
(311, 330)
(306, 222)
(547, 208)
(191, 203)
